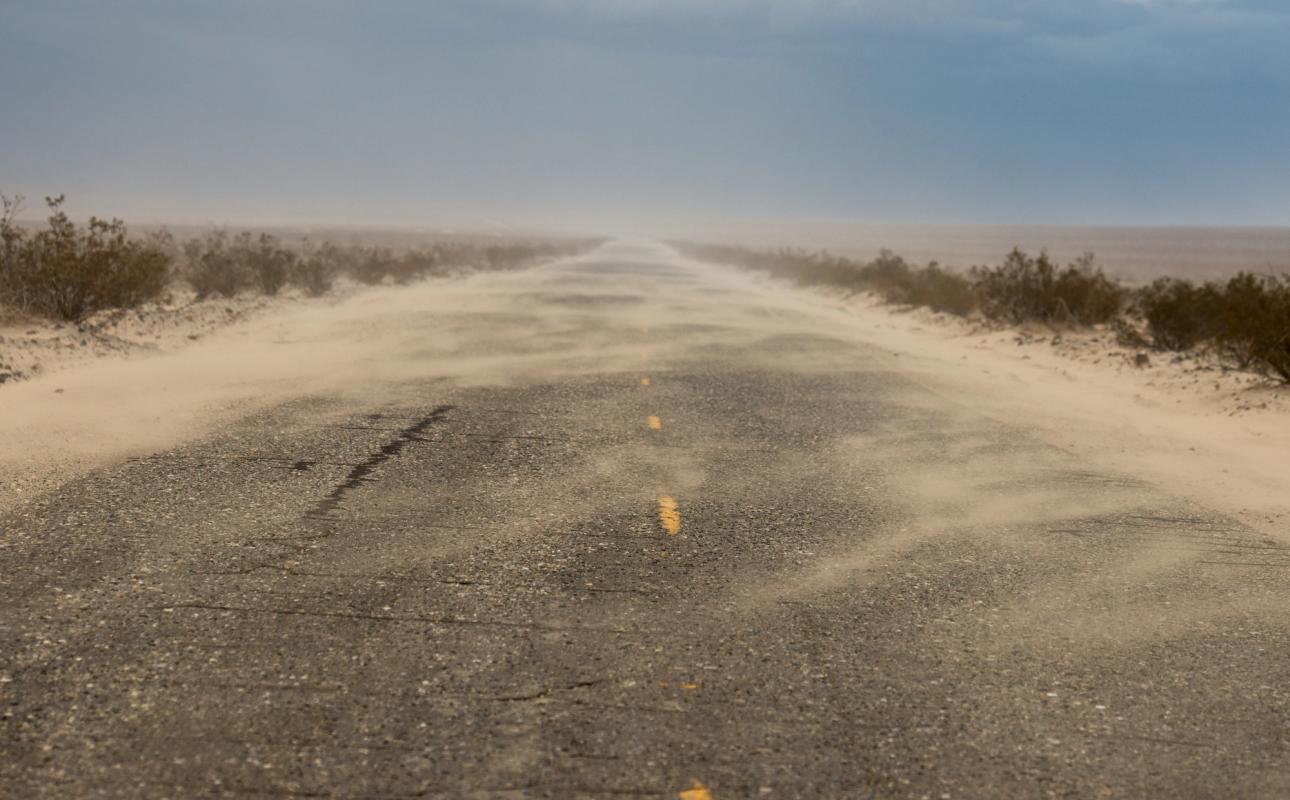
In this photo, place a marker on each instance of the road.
(672, 538)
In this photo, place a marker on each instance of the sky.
(644, 114)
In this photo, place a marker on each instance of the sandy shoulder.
(1219, 437)
(137, 382)
(32, 348)
(356, 347)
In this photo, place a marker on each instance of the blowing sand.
(103, 405)
(132, 384)
(1219, 437)
(31, 347)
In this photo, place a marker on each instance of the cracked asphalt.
(683, 540)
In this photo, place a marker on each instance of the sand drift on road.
(623, 524)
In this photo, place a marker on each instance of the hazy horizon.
(654, 116)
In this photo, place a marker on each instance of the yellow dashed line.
(668, 515)
(696, 792)
(655, 424)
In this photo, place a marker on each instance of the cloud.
(1180, 40)
(803, 13)
(1171, 40)
(1047, 18)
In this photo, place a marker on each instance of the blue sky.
(640, 113)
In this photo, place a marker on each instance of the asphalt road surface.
(677, 539)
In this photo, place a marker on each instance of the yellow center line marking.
(655, 424)
(696, 792)
(668, 515)
(645, 381)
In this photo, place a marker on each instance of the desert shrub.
(813, 269)
(933, 286)
(1088, 293)
(942, 290)
(1246, 320)
(313, 275)
(220, 264)
(514, 255)
(69, 273)
(1178, 313)
(1128, 334)
(316, 269)
(890, 275)
(371, 265)
(375, 264)
(822, 269)
(1253, 328)
(269, 264)
(417, 264)
(12, 291)
(1026, 288)
(844, 273)
(800, 266)
(214, 266)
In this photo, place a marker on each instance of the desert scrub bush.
(416, 264)
(225, 265)
(316, 269)
(932, 286)
(269, 263)
(69, 273)
(221, 264)
(818, 269)
(1245, 321)
(1179, 314)
(514, 255)
(1026, 288)
(371, 265)
(1253, 328)
(942, 290)
(313, 275)
(11, 238)
(214, 267)
(800, 266)
(888, 275)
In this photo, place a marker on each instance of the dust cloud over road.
(623, 525)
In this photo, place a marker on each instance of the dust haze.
(672, 399)
(959, 484)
